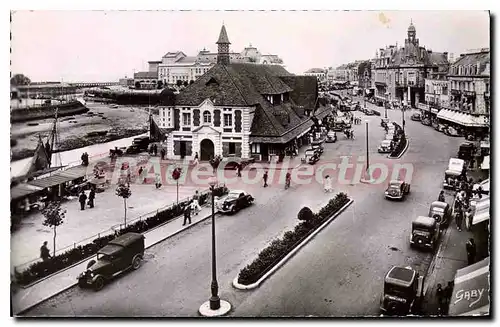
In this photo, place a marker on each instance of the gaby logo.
(475, 295)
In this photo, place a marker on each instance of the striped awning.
(471, 293)
(481, 211)
(463, 118)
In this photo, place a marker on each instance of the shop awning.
(481, 211)
(471, 293)
(463, 118)
(23, 190)
(61, 177)
(486, 163)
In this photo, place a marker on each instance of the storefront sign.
(473, 296)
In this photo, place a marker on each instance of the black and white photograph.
(250, 164)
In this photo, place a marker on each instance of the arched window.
(207, 117)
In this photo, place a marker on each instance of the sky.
(88, 46)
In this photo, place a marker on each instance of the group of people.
(153, 150)
(349, 133)
(85, 159)
(83, 198)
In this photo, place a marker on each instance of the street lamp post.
(367, 153)
(403, 114)
(214, 299)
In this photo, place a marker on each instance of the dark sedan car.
(397, 190)
(235, 201)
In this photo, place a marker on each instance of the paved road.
(338, 273)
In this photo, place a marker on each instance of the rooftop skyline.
(106, 45)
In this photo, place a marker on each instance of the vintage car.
(416, 117)
(450, 131)
(385, 146)
(397, 190)
(466, 151)
(455, 170)
(134, 149)
(369, 112)
(389, 136)
(426, 122)
(441, 212)
(234, 202)
(331, 137)
(123, 253)
(425, 232)
(142, 142)
(403, 291)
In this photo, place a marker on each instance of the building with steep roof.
(241, 109)
(399, 72)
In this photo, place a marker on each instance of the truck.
(456, 168)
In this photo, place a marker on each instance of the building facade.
(146, 80)
(399, 73)
(319, 73)
(177, 66)
(364, 74)
(437, 91)
(240, 110)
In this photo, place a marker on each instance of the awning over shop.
(22, 190)
(482, 211)
(60, 177)
(471, 293)
(486, 163)
(463, 118)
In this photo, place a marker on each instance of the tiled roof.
(223, 36)
(305, 91)
(186, 60)
(146, 75)
(472, 59)
(173, 54)
(314, 71)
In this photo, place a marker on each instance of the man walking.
(82, 200)
(162, 154)
(441, 197)
(441, 299)
(91, 198)
(44, 252)
(238, 167)
(470, 248)
(265, 178)
(187, 215)
(459, 218)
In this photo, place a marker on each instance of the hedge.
(42, 269)
(279, 248)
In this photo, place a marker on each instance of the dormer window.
(207, 117)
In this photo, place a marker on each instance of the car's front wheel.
(233, 210)
(136, 263)
(99, 283)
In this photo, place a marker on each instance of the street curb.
(432, 265)
(403, 152)
(276, 168)
(151, 245)
(290, 254)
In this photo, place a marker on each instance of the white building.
(320, 73)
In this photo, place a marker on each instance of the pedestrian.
(239, 167)
(140, 171)
(82, 198)
(448, 291)
(265, 178)
(91, 198)
(441, 299)
(196, 158)
(468, 218)
(327, 184)
(155, 150)
(187, 215)
(44, 252)
(470, 248)
(196, 203)
(441, 197)
(162, 153)
(157, 181)
(459, 218)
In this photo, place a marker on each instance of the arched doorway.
(207, 149)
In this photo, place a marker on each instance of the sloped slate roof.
(472, 59)
(146, 75)
(305, 90)
(223, 36)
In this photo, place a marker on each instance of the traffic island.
(400, 148)
(281, 250)
(205, 310)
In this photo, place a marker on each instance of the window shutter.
(177, 119)
(196, 117)
(217, 118)
(237, 121)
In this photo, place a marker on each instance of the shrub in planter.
(278, 249)
(305, 214)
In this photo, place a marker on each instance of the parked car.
(331, 137)
(397, 190)
(456, 168)
(369, 112)
(416, 117)
(389, 136)
(426, 122)
(450, 131)
(403, 291)
(134, 149)
(142, 142)
(235, 201)
(425, 232)
(385, 146)
(123, 253)
(441, 212)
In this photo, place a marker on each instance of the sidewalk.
(450, 257)
(24, 299)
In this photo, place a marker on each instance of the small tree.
(186, 83)
(306, 214)
(178, 83)
(124, 192)
(19, 79)
(54, 216)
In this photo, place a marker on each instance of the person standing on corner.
(91, 197)
(470, 248)
(238, 167)
(187, 215)
(265, 178)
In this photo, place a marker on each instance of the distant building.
(146, 80)
(177, 66)
(239, 109)
(364, 74)
(127, 82)
(320, 73)
(399, 73)
(437, 91)
(45, 89)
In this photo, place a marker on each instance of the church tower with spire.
(223, 47)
